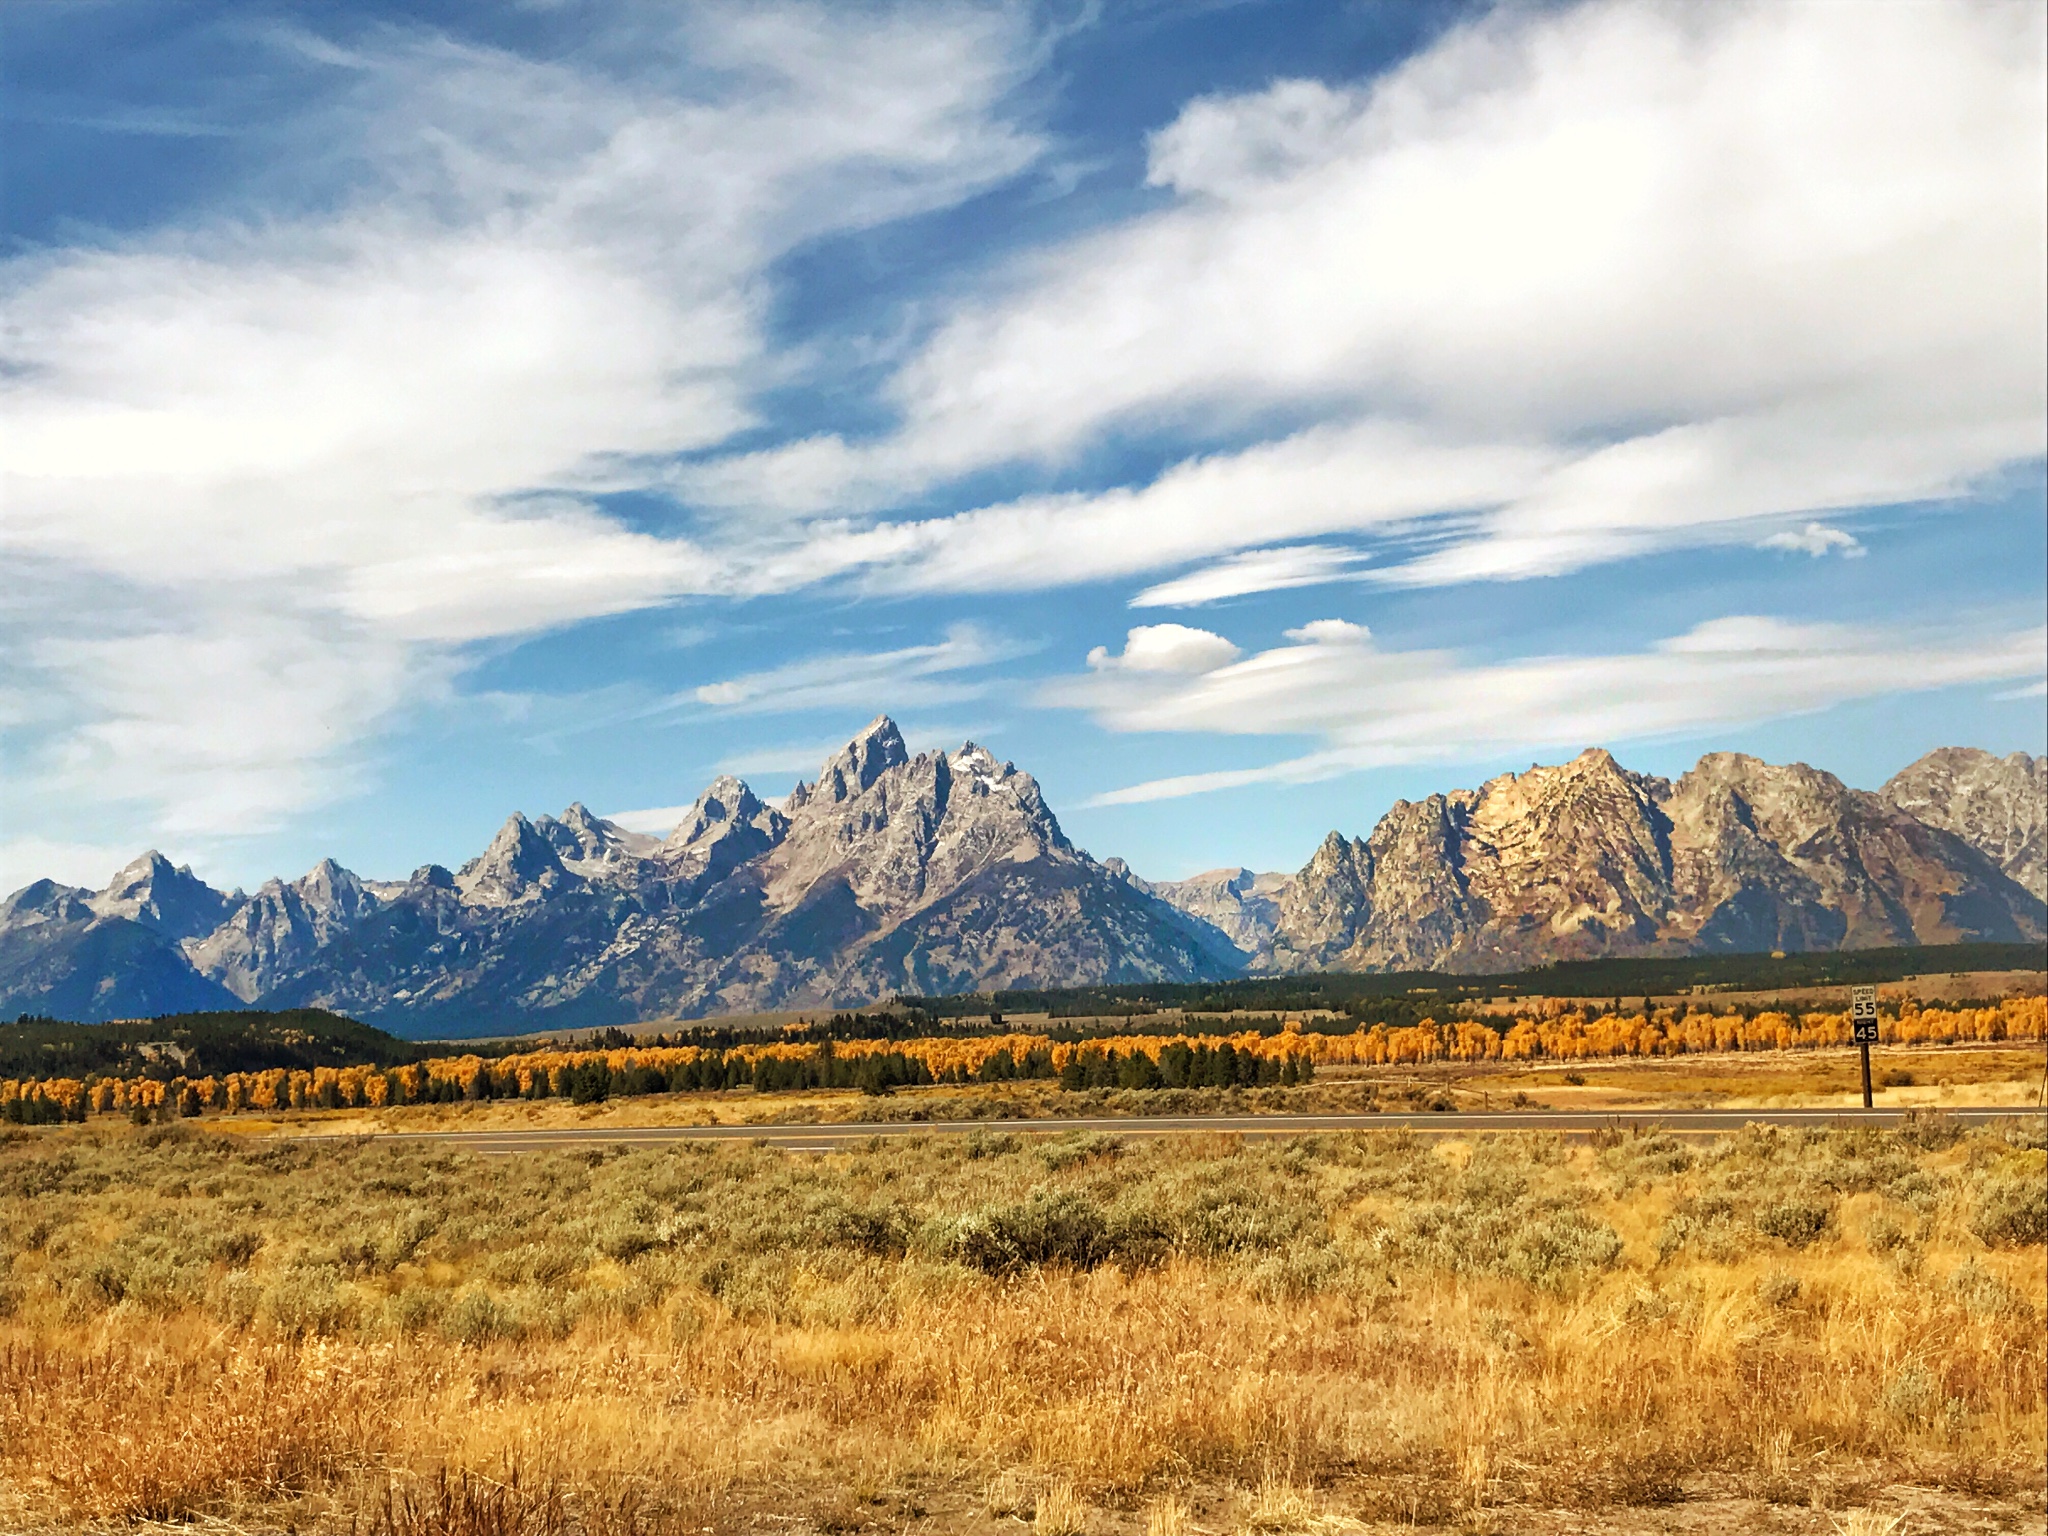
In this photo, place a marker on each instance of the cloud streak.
(908, 675)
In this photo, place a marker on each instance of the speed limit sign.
(1863, 1015)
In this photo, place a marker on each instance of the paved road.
(828, 1138)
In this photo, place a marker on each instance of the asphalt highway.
(830, 1138)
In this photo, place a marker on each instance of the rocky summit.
(947, 872)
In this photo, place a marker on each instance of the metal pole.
(1866, 1074)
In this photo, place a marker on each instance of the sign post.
(1863, 1027)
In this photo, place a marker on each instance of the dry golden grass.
(1079, 1334)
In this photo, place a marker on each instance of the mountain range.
(946, 872)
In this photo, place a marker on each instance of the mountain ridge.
(946, 871)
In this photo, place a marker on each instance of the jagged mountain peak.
(591, 846)
(1593, 777)
(916, 826)
(331, 882)
(1999, 805)
(519, 863)
(167, 897)
(946, 870)
(727, 825)
(853, 769)
(282, 926)
(45, 901)
(1241, 904)
(1742, 767)
(725, 800)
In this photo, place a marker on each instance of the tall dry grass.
(413, 1341)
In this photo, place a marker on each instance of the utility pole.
(1863, 1025)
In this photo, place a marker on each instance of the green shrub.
(236, 1298)
(307, 1301)
(1912, 1394)
(881, 1230)
(1063, 1228)
(1797, 1221)
(2012, 1209)
(1984, 1293)
(1549, 1252)
(235, 1249)
(476, 1318)
(413, 1310)
(1928, 1130)
(1296, 1272)
(1642, 1160)
(626, 1239)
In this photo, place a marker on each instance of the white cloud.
(1373, 707)
(655, 820)
(230, 721)
(912, 674)
(1166, 648)
(1258, 570)
(528, 277)
(1815, 539)
(1320, 480)
(1690, 268)
(1331, 632)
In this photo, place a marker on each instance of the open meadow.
(1810, 1331)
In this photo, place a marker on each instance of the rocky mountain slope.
(942, 872)
(1587, 859)
(1998, 805)
(947, 872)
(1241, 905)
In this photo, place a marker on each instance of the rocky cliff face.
(1244, 907)
(1588, 859)
(1998, 805)
(280, 929)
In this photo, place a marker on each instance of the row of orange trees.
(1543, 1033)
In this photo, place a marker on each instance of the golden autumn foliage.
(1550, 1031)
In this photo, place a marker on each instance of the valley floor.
(1797, 1331)
(1926, 1077)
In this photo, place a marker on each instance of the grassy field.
(1797, 1331)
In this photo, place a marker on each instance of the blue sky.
(1238, 415)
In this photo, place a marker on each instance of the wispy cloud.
(908, 675)
(1258, 570)
(1374, 707)
(1528, 250)
(386, 416)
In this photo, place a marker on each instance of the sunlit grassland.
(1186, 1332)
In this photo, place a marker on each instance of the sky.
(1238, 415)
